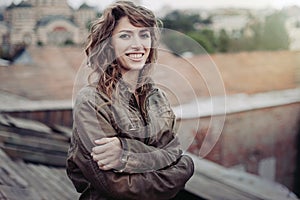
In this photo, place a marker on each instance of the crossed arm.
(161, 171)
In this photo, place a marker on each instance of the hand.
(108, 153)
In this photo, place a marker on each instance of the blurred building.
(232, 24)
(51, 22)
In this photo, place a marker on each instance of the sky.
(156, 5)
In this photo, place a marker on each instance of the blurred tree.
(39, 43)
(248, 41)
(88, 24)
(206, 39)
(179, 43)
(275, 36)
(223, 41)
(180, 21)
(268, 35)
(257, 35)
(297, 24)
(188, 24)
(68, 42)
(255, 42)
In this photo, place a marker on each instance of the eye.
(124, 36)
(145, 35)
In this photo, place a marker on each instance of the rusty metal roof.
(53, 70)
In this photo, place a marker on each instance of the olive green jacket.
(154, 167)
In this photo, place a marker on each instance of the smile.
(135, 56)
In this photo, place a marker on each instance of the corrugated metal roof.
(32, 161)
(33, 181)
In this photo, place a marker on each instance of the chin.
(135, 66)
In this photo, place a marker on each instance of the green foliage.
(179, 43)
(275, 35)
(88, 25)
(40, 43)
(69, 42)
(182, 22)
(223, 41)
(185, 23)
(270, 35)
(205, 38)
(257, 35)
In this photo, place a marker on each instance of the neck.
(131, 77)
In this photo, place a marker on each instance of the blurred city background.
(254, 47)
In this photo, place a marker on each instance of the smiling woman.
(124, 143)
(132, 45)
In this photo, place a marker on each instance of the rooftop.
(52, 73)
(32, 157)
(29, 145)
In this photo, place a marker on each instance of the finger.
(104, 140)
(112, 165)
(103, 148)
(115, 164)
(104, 152)
(102, 156)
(105, 167)
(109, 148)
(109, 160)
(100, 164)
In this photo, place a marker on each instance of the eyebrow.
(131, 31)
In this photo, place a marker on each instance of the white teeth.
(136, 55)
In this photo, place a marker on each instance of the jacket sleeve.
(159, 185)
(92, 123)
(163, 147)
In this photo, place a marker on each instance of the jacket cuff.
(124, 157)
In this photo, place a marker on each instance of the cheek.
(147, 44)
(119, 52)
(119, 47)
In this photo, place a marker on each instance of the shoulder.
(89, 94)
(157, 97)
(157, 93)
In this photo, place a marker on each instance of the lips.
(135, 56)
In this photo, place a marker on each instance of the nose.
(136, 42)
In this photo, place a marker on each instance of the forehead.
(124, 24)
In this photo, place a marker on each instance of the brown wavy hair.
(99, 50)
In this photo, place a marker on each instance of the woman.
(124, 144)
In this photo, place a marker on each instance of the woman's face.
(131, 44)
